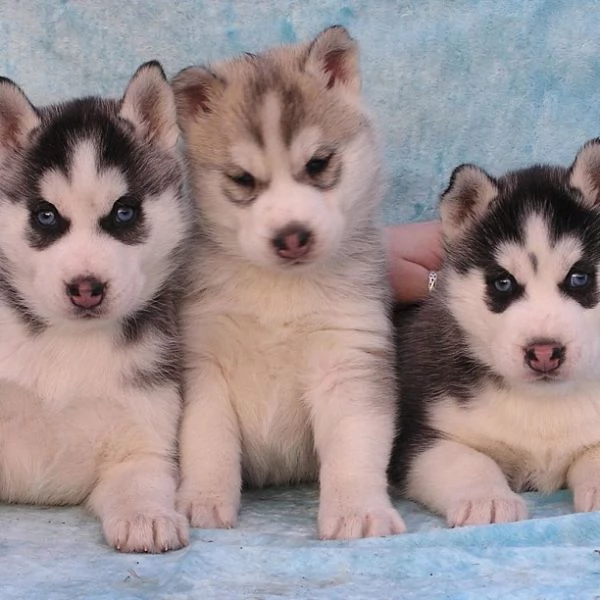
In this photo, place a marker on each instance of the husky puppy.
(500, 369)
(290, 374)
(93, 225)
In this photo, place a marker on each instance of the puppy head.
(282, 155)
(90, 204)
(522, 266)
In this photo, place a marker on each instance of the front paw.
(339, 522)
(586, 497)
(208, 511)
(501, 506)
(149, 531)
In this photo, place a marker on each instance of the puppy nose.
(86, 291)
(293, 241)
(544, 357)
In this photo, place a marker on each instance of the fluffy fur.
(290, 372)
(93, 226)
(500, 369)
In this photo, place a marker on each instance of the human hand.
(414, 250)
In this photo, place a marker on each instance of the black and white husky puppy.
(93, 225)
(500, 369)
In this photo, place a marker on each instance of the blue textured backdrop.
(498, 82)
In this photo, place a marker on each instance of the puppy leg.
(135, 500)
(352, 407)
(210, 447)
(583, 479)
(464, 485)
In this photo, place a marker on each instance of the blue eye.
(46, 217)
(504, 285)
(578, 280)
(124, 214)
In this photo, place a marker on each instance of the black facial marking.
(502, 289)
(125, 221)
(581, 284)
(46, 224)
(534, 261)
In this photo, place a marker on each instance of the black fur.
(433, 359)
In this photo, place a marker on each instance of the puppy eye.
(504, 285)
(46, 216)
(317, 164)
(243, 179)
(578, 280)
(124, 212)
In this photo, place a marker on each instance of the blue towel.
(59, 554)
(501, 83)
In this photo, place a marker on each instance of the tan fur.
(290, 366)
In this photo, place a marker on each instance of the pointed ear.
(466, 199)
(149, 104)
(585, 172)
(333, 58)
(196, 91)
(17, 116)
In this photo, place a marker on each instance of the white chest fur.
(533, 437)
(264, 332)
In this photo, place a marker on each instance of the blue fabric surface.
(501, 83)
(59, 554)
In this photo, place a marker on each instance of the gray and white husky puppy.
(500, 369)
(93, 226)
(290, 369)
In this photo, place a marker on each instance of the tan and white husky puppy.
(290, 354)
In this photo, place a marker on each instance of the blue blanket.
(59, 554)
(501, 83)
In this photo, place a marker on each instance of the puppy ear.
(196, 91)
(333, 58)
(149, 104)
(466, 199)
(585, 172)
(17, 116)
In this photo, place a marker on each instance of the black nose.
(86, 291)
(293, 241)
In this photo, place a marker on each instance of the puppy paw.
(497, 507)
(208, 512)
(586, 497)
(357, 522)
(155, 532)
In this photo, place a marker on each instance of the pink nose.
(546, 357)
(293, 242)
(86, 292)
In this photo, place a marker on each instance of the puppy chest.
(267, 393)
(533, 440)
